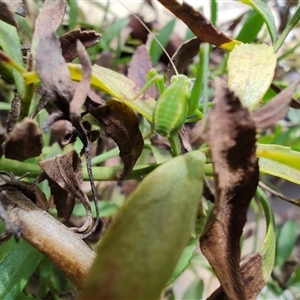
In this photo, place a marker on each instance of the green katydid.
(175, 103)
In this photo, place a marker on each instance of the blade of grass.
(164, 37)
(17, 268)
(251, 27)
(290, 25)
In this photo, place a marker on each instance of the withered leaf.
(276, 108)
(13, 114)
(183, 56)
(139, 66)
(24, 141)
(121, 123)
(68, 42)
(29, 189)
(46, 50)
(66, 172)
(294, 103)
(252, 274)
(81, 92)
(7, 15)
(197, 22)
(18, 7)
(231, 136)
(63, 200)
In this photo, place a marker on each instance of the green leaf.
(73, 14)
(264, 10)
(267, 249)
(281, 154)
(10, 44)
(251, 27)
(194, 291)
(163, 37)
(290, 25)
(286, 239)
(17, 268)
(141, 247)
(251, 70)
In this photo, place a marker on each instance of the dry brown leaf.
(139, 66)
(231, 136)
(276, 108)
(66, 172)
(46, 50)
(7, 15)
(24, 141)
(14, 113)
(197, 22)
(183, 56)
(18, 7)
(294, 103)
(68, 41)
(30, 190)
(252, 274)
(63, 200)
(81, 93)
(121, 123)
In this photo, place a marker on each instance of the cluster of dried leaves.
(231, 136)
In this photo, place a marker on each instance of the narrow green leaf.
(264, 10)
(267, 249)
(73, 14)
(145, 240)
(17, 268)
(251, 27)
(290, 25)
(280, 154)
(251, 70)
(286, 239)
(10, 44)
(163, 37)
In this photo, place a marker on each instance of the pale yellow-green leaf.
(275, 168)
(281, 154)
(251, 69)
(115, 84)
(142, 245)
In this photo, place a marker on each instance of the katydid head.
(181, 79)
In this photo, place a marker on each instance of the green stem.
(100, 173)
(26, 101)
